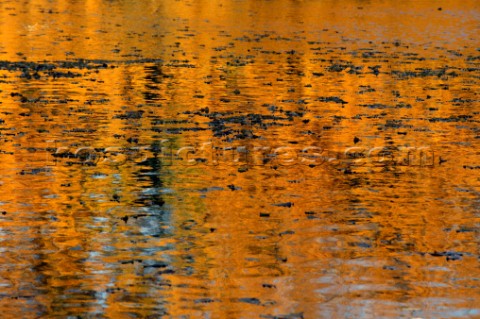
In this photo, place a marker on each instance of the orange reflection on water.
(155, 159)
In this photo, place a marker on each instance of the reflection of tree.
(154, 78)
(151, 171)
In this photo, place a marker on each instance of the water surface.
(239, 159)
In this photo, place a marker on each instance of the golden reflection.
(236, 159)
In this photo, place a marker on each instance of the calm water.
(239, 159)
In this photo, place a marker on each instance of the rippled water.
(239, 159)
